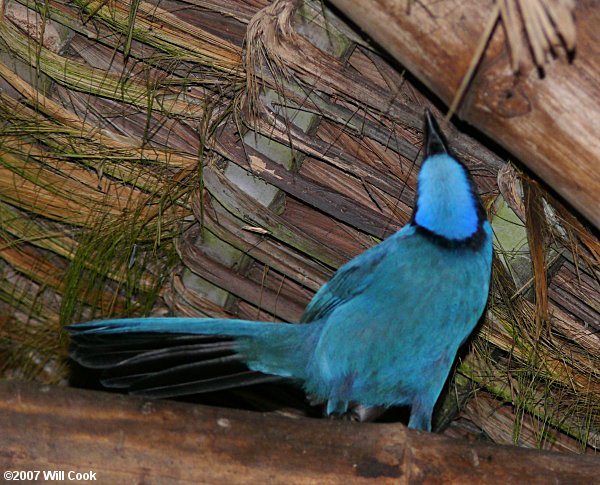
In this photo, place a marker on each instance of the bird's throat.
(446, 203)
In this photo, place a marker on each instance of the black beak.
(434, 141)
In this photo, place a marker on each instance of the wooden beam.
(125, 439)
(550, 123)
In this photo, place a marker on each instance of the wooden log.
(125, 439)
(549, 122)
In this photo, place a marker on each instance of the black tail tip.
(434, 140)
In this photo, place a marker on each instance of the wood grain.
(548, 122)
(127, 439)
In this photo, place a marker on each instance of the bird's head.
(447, 205)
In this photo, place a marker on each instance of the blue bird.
(384, 331)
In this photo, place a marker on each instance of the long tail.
(170, 357)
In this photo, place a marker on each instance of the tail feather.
(99, 351)
(240, 379)
(171, 325)
(172, 357)
(185, 379)
(186, 365)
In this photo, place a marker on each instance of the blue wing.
(351, 279)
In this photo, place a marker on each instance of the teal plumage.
(383, 331)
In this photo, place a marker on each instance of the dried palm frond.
(548, 24)
(90, 203)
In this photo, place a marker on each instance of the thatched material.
(158, 166)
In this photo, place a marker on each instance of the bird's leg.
(365, 414)
(420, 414)
(337, 408)
(358, 413)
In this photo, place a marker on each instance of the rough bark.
(126, 439)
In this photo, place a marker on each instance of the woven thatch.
(157, 166)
